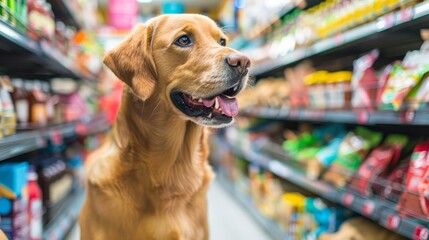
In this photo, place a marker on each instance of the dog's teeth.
(200, 100)
(216, 105)
(210, 115)
(235, 88)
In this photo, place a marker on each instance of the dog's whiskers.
(154, 109)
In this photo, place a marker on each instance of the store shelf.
(15, 41)
(22, 56)
(391, 22)
(27, 141)
(406, 116)
(61, 64)
(270, 226)
(67, 216)
(374, 208)
(64, 12)
(20, 143)
(288, 7)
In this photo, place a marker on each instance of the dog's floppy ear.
(132, 61)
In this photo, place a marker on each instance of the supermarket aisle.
(228, 220)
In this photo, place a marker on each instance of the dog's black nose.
(238, 61)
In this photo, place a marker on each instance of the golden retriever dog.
(149, 179)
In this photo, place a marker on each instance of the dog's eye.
(183, 41)
(223, 42)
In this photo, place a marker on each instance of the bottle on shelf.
(35, 208)
(37, 100)
(21, 102)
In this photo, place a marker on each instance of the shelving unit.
(27, 141)
(406, 116)
(64, 12)
(275, 17)
(374, 208)
(67, 216)
(22, 56)
(391, 22)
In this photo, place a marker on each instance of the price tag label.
(294, 113)
(386, 22)
(56, 137)
(393, 221)
(421, 233)
(407, 116)
(348, 199)
(368, 208)
(80, 128)
(407, 14)
(363, 117)
(339, 39)
(41, 142)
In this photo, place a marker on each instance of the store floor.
(228, 220)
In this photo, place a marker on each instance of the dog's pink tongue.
(229, 105)
(208, 102)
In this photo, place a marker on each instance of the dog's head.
(183, 61)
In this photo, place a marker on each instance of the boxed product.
(14, 200)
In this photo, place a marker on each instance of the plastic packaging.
(364, 81)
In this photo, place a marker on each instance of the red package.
(413, 201)
(419, 166)
(378, 164)
(364, 81)
(424, 193)
(395, 182)
(384, 78)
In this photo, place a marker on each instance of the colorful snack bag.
(396, 182)
(364, 81)
(352, 151)
(378, 162)
(413, 201)
(419, 95)
(401, 82)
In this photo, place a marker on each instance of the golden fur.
(149, 178)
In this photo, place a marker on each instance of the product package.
(395, 182)
(352, 151)
(414, 199)
(361, 229)
(402, 80)
(365, 81)
(379, 162)
(14, 200)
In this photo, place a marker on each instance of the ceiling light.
(144, 1)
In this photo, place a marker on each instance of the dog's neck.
(146, 130)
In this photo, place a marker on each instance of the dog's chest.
(173, 225)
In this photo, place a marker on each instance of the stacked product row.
(299, 214)
(302, 28)
(38, 21)
(402, 84)
(33, 191)
(33, 104)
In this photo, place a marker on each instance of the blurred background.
(331, 141)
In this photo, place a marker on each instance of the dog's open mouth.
(221, 108)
